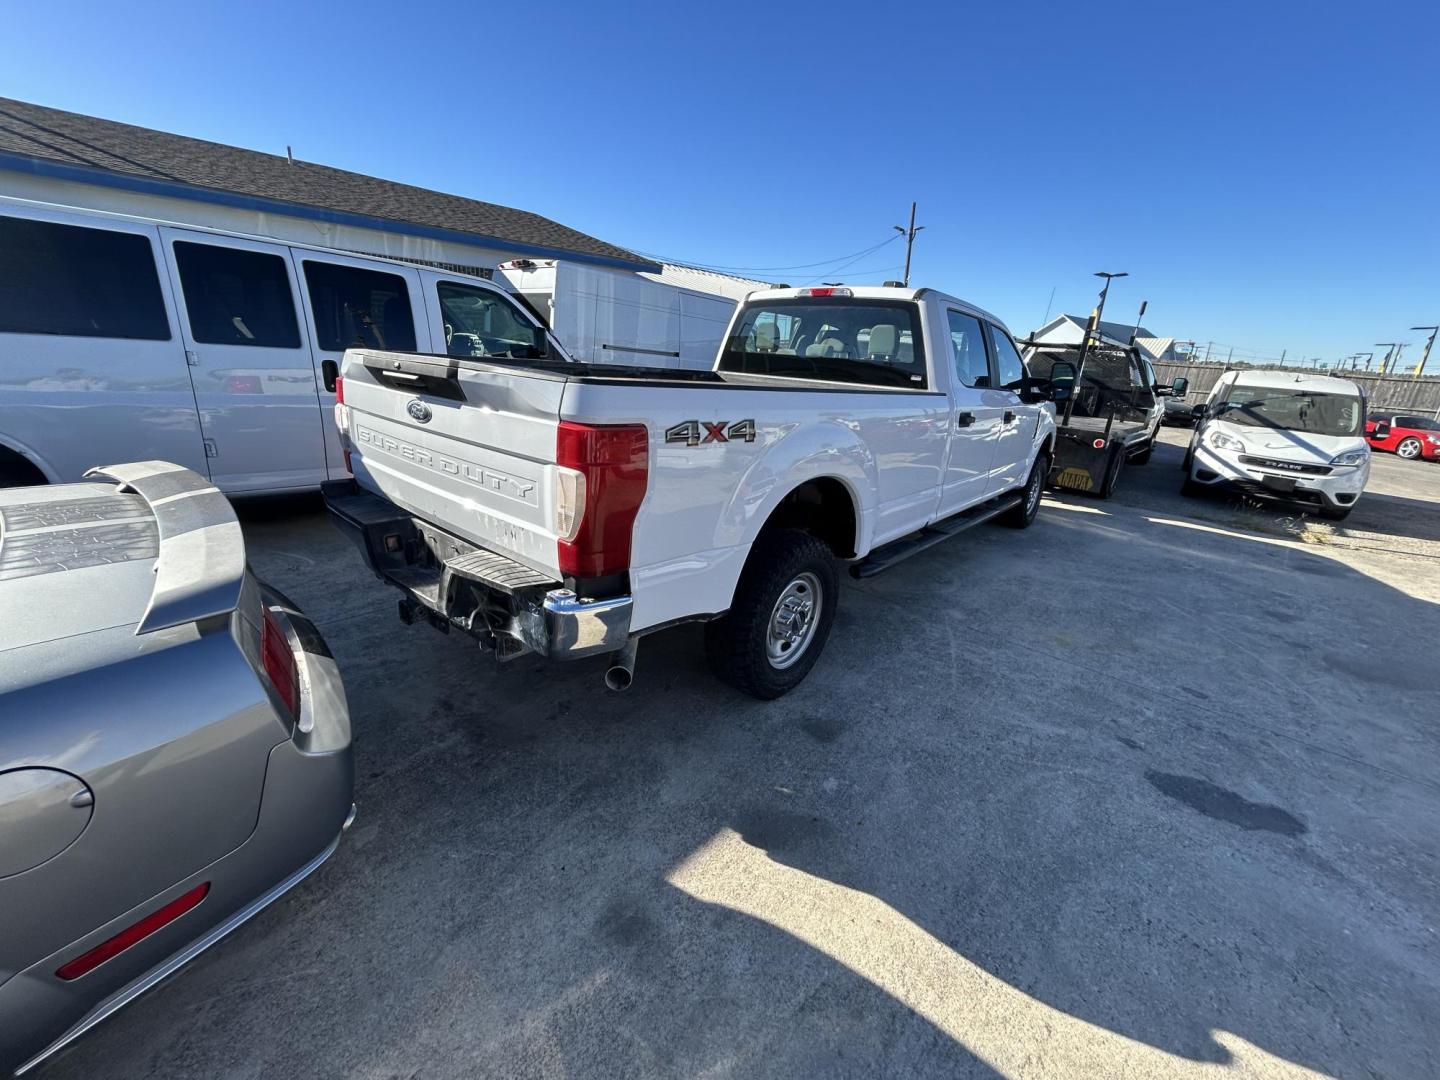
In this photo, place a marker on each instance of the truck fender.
(828, 450)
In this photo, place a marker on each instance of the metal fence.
(1385, 393)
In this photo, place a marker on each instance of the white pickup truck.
(568, 509)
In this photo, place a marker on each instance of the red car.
(1407, 436)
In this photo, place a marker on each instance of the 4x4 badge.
(699, 432)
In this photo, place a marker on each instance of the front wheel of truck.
(778, 625)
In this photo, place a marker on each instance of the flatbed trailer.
(1103, 424)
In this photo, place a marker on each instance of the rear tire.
(1409, 448)
(769, 640)
(1023, 516)
(1112, 473)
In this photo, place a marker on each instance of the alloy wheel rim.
(1032, 494)
(793, 620)
(1408, 449)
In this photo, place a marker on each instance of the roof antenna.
(290, 155)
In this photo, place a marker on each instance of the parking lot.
(1148, 790)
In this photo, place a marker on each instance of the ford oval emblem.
(419, 411)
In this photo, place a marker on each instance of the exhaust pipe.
(621, 673)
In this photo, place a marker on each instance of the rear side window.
(968, 342)
(357, 307)
(874, 342)
(1007, 360)
(80, 282)
(479, 322)
(237, 297)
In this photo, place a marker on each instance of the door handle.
(1009, 417)
(965, 419)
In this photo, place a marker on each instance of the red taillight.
(279, 663)
(132, 935)
(614, 460)
(339, 390)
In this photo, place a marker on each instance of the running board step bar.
(900, 550)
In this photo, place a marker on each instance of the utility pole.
(1207, 352)
(1399, 348)
(1385, 360)
(1426, 354)
(1282, 356)
(910, 242)
(1230, 357)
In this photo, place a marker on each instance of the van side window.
(67, 279)
(1007, 360)
(968, 340)
(237, 297)
(479, 322)
(358, 307)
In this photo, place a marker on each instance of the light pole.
(1368, 357)
(1389, 351)
(1426, 354)
(909, 241)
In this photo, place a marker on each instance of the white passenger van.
(129, 339)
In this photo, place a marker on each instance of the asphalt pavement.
(1147, 790)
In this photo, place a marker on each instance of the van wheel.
(1022, 516)
(781, 618)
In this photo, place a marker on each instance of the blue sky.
(1266, 172)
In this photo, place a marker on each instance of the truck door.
(1015, 434)
(355, 302)
(975, 416)
(250, 364)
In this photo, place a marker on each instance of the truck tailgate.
(469, 447)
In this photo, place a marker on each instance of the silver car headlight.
(1221, 441)
(1352, 457)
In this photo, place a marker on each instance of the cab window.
(1010, 368)
(481, 322)
(967, 341)
(834, 339)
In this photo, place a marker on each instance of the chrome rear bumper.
(455, 583)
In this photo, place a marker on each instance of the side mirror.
(1180, 387)
(1197, 411)
(329, 373)
(1062, 380)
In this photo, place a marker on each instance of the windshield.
(1292, 410)
(840, 339)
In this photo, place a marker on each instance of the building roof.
(37, 139)
(1066, 324)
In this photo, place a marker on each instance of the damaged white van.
(1298, 438)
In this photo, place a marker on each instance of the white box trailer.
(674, 318)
